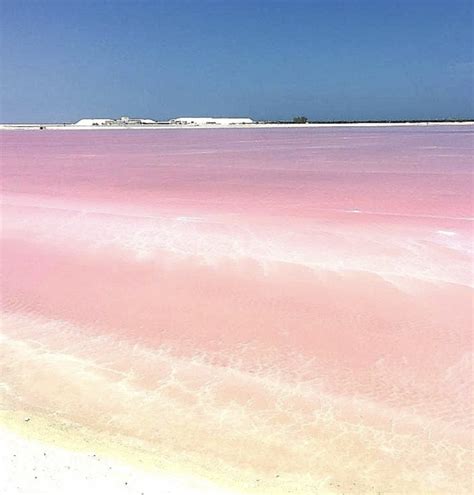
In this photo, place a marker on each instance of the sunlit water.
(287, 309)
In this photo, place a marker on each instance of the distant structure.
(123, 121)
(190, 121)
(210, 121)
(88, 122)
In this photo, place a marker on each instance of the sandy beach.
(32, 467)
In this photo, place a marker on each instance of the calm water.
(292, 306)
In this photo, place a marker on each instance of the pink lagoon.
(256, 311)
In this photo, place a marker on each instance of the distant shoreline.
(266, 125)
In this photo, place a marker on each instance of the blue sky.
(326, 59)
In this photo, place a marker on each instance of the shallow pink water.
(287, 305)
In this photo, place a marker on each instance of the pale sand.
(32, 467)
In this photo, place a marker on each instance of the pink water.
(287, 309)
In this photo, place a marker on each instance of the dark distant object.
(300, 120)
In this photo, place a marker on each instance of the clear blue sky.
(327, 59)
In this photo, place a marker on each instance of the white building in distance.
(88, 122)
(123, 121)
(190, 121)
(210, 121)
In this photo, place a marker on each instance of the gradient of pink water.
(290, 305)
